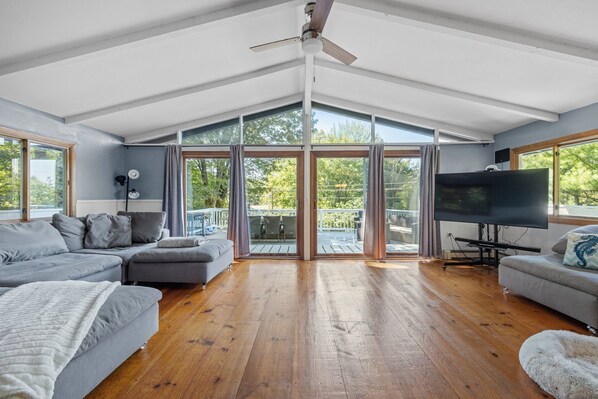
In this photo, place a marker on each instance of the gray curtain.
(374, 241)
(429, 232)
(238, 219)
(172, 202)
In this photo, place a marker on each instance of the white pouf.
(563, 363)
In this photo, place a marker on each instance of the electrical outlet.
(447, 254)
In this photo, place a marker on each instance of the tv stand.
(488, 249)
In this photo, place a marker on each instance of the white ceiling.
(30, 30)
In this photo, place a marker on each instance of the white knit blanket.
(41, 327)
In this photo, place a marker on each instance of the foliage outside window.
(573, 164)
(46, 189)
(225, 133)
(10, 179)
(334, 126)
(278, 126)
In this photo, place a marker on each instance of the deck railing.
(328, 219)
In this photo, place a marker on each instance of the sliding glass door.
(401, 183)
(274, 192)
(339, 187)
(207, 195)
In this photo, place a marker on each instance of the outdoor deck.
(328, 243)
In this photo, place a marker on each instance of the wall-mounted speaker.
(501, 156)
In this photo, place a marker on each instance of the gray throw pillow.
(108, 231)
(72, 230)
(30, 240)
(561, 245)
(146, 226)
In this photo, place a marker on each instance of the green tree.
(10, 175)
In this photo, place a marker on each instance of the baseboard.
(85, 207)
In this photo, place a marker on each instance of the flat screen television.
(508, 198)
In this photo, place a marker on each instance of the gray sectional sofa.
(546, 280)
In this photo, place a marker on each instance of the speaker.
(501, 156)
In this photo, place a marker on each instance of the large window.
(278, 126)
(334, 126)
(225, 133)
(35, 176)
(572, 161)
(388, 131)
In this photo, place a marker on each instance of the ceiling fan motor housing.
(311, 40)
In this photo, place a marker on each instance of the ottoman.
(182, 265)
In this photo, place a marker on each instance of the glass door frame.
(314, 155)
(261, 154)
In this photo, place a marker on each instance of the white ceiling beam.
(474, 29)
(503, 105)
(107, 42)
(164, 131)
(182, 92)
(405, 118)
(309, 83)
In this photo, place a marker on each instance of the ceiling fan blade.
(276, 44)
(320, 14)
(338, 52)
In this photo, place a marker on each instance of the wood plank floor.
(337, 329)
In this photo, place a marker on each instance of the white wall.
(86, 207)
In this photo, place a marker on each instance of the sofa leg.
(593, 331)
(505, 290)
(203, 287)
(230, 267)
(142, 347)
(134, 283)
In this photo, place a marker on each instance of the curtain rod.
(215, 145)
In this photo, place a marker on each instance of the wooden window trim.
(555, 145)
(26, 139)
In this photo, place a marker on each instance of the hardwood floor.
(337, 329)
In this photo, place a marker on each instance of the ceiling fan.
(312, 42)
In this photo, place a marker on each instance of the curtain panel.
(238, 219)
(374, 242)
(172, 202)
(429, 232)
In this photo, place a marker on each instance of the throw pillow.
(146, 226)
(561, 245)
(108, 231)
(72, 230)
(30, 240)
(582, 251)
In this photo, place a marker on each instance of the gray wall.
(99, 154)
(457, 159)
(576, 121)
(149, 161)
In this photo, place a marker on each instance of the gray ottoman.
(182, 265)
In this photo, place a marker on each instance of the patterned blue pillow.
(582, 251)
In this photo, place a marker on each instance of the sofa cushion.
(146, 226)
(204, 253)
(551, 268)
(122, 306)
(561, 245)
(30, 240)
(582, 251)
(65, 266)
(72, 230)
(125, 253)
(108, 231)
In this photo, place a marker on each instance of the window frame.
(26, 139)
(555, 145)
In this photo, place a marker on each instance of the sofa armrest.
(165, 234)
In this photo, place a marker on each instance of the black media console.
(488, 249)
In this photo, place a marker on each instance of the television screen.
(509, 198)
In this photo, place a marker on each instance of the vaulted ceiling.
(145, 68)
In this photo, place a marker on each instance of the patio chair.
(288, 227)
(255, 223)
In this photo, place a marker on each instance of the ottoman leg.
(203, 287)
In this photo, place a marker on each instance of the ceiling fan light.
(312, 46)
